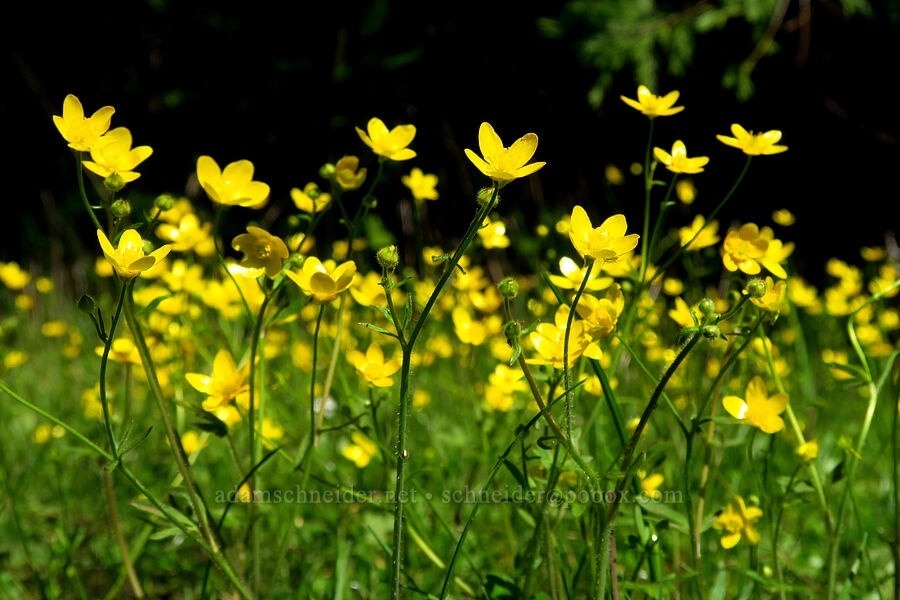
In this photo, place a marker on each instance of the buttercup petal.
(522, 150)
(489, 143)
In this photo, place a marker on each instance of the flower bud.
(756, 288)
(147, 246)
(707, 306)
(508, 288)
(512, 330)
(388, 257)
(485, 195)
(164, 202)
(120, 208)
(114, 182)
(327, 171)
(711, 332)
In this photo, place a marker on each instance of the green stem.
(161, 402)
(660, 220)
(706, 222)
(570, 394)
(221, 258)
(117, 531)
(648, 186)
(104, 360)
(79, 172)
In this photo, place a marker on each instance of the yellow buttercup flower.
(188, 234)
(601, 314)
(808, 450)
(391, 144)
(738, 521)
(310, 199)
(784, 217)
(361, 451)
(686, 191)
(743, 249)
(652, 105)
(373, 367)
(605, 243)
(233, 186)
(227, 383)
(348, 174)
(13, 276)
(471, 331)
(323, 282)
(504, 164)
(82, 133)
(129, 259)
(422, 185)
(261, 250)
(650, 484)
(753, 144)
(775, 298)
(113, 154)
(573, 275)
(493, 234)
(549, 338)
(678, 161)
(708, 233)
(758, 409)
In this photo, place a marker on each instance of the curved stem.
(706, 222)
(79, 172)
(570, 394)
(104, 360)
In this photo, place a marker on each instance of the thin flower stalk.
(570, 394)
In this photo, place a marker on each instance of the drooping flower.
(361, 451)
(373, 367)
(310, 199)
(233, 186)
(129, 259)
(758, 409)
(422, 185)
(348, 174)
(753, 144)
(504, 164)
(708, 235)
(261, 250)
(678, 161)
(653, 105)
(323, 281)
(227, 383)
(391, 144)
(736, 521)
(605, 243)
(113, 153)
(82, 133)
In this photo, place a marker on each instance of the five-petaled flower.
(605, 243)
(653, 105)
(373, 367)
(391, 144)
(678, 161)
(129, 259)
(758, 409)
(753, 144)
(348, 174)
(226, 384)
(233, 186)
(310, 199)
(323, 282)
(737, 521)
(422, 185)
(81, 132)
(261, 250)
(113, 153)
(504, 164)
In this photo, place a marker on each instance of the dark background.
(284, 89)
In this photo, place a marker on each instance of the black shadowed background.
(285, 89)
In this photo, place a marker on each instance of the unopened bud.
(707, 306)
(388, 257)
(327, 171)
(756, 288)
(120, 208)
(711, 332)
(114, 182)
(509, 288)
(165, 202)
(485, 195)
(147, 246)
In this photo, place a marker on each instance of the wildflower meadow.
(234, 401)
